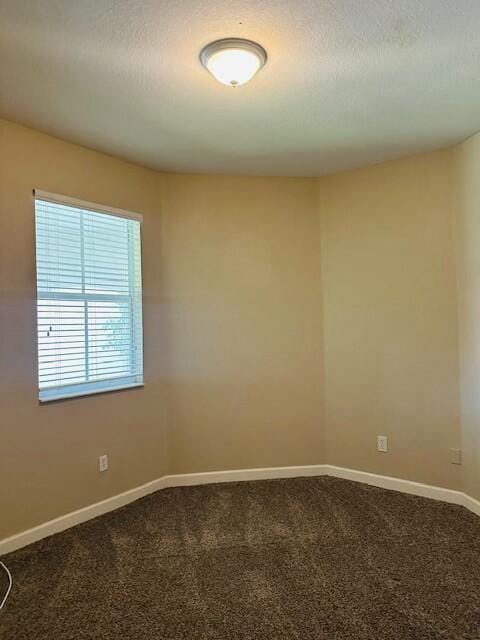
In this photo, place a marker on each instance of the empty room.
(239, 320)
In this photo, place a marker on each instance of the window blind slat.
(89, 313)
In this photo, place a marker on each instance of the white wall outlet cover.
(103, 462)
(382, 444)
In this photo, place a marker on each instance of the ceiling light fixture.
(233, 61)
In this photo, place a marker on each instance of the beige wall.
(390, 329)
(232, 313)
(467, 203)
(243, 319)
(49, 454)
(288, 321)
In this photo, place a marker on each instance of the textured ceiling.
(347, 83)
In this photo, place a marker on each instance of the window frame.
(76, 390)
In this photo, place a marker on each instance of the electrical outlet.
(103, 462)
(456, 456)
(382, 444)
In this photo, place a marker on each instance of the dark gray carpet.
(306, 558)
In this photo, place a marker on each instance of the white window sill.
(77, 391)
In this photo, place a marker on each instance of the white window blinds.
(89, 300)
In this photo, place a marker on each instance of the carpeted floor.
(306, 559)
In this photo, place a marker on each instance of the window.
(89, 298)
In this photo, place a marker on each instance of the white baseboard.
(397, 484)
(240, 475)
(24, 538)
(471, 504)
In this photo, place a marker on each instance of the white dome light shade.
(233, 61)
(233, 66)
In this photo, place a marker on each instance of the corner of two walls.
(304, 317)
(307, 316)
